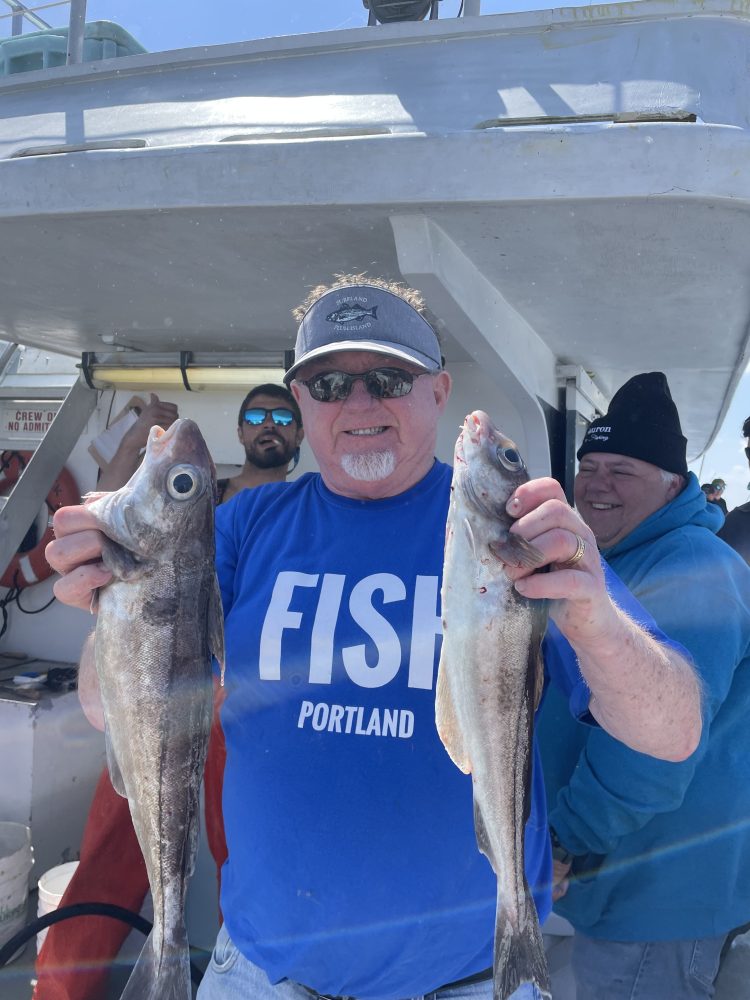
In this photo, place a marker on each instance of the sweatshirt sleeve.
(614, 791)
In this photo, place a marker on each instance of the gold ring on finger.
(578, 554)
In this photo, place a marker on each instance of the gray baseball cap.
(365, 318)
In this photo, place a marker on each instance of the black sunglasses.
(382, 383)
(257, 414)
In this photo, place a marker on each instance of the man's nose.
(359, 395)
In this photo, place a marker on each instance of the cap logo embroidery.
(351, 312)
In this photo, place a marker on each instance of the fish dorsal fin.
(115, 775)
(470, 536)
(215, 625)
(516, 551)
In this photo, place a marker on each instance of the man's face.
(269, 445)
(614, 493)
(371, 448)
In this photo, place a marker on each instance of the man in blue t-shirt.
(353, 869)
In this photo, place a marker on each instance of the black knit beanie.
(642, 422)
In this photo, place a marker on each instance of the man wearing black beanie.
(660, 872)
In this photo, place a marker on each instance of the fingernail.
(520, 585)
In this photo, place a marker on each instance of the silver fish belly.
(159, 622)
(489, 683)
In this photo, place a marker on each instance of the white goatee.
(370, 466)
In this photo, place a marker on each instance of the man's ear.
(441, 387)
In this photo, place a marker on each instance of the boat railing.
(20, 12)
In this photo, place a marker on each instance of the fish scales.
(489, 683)
(159, 623)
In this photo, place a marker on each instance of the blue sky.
(170, 24)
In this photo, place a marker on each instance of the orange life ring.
(27, 568)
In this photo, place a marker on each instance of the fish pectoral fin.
(448, 728)
(121, 561)
(115, 774)
(516, 551)
(215, 625)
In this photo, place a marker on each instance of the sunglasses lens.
(256, 416)
(388, 383)
(330, 387)
(282, 417)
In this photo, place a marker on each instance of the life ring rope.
(28, 568)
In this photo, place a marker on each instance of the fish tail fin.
(161, 972)
(519, 953)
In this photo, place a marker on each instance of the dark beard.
(271, 458)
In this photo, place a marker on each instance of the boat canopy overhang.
(569, 189)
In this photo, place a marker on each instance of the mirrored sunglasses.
(257, 414)
(382, 383)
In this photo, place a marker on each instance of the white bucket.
(52, 886)
(16, 859)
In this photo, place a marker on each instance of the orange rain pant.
(77, 953)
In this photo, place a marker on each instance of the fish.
(159, 622)
(351, 312)
(490, 678)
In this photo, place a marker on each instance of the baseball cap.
(365, 317)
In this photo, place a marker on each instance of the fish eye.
(183, 482)
(510, 458)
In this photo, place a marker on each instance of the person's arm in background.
(127, 458)
(644, 693)
(614, 791)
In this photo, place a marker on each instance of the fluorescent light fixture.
(199, 377)
(185, 370)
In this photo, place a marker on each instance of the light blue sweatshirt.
(663, 848)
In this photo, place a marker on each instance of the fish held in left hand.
(490, 680)
(160, 620)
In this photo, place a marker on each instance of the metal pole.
(472, 8)
(76, 32)
(43, 468)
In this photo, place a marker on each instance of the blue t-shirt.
(353, 864)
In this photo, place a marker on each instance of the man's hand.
(580, 604)
(643, 692)
(156, 413)
(76, 554)
(560, 883)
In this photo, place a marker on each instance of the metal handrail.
(76, 24)
(19, 11)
